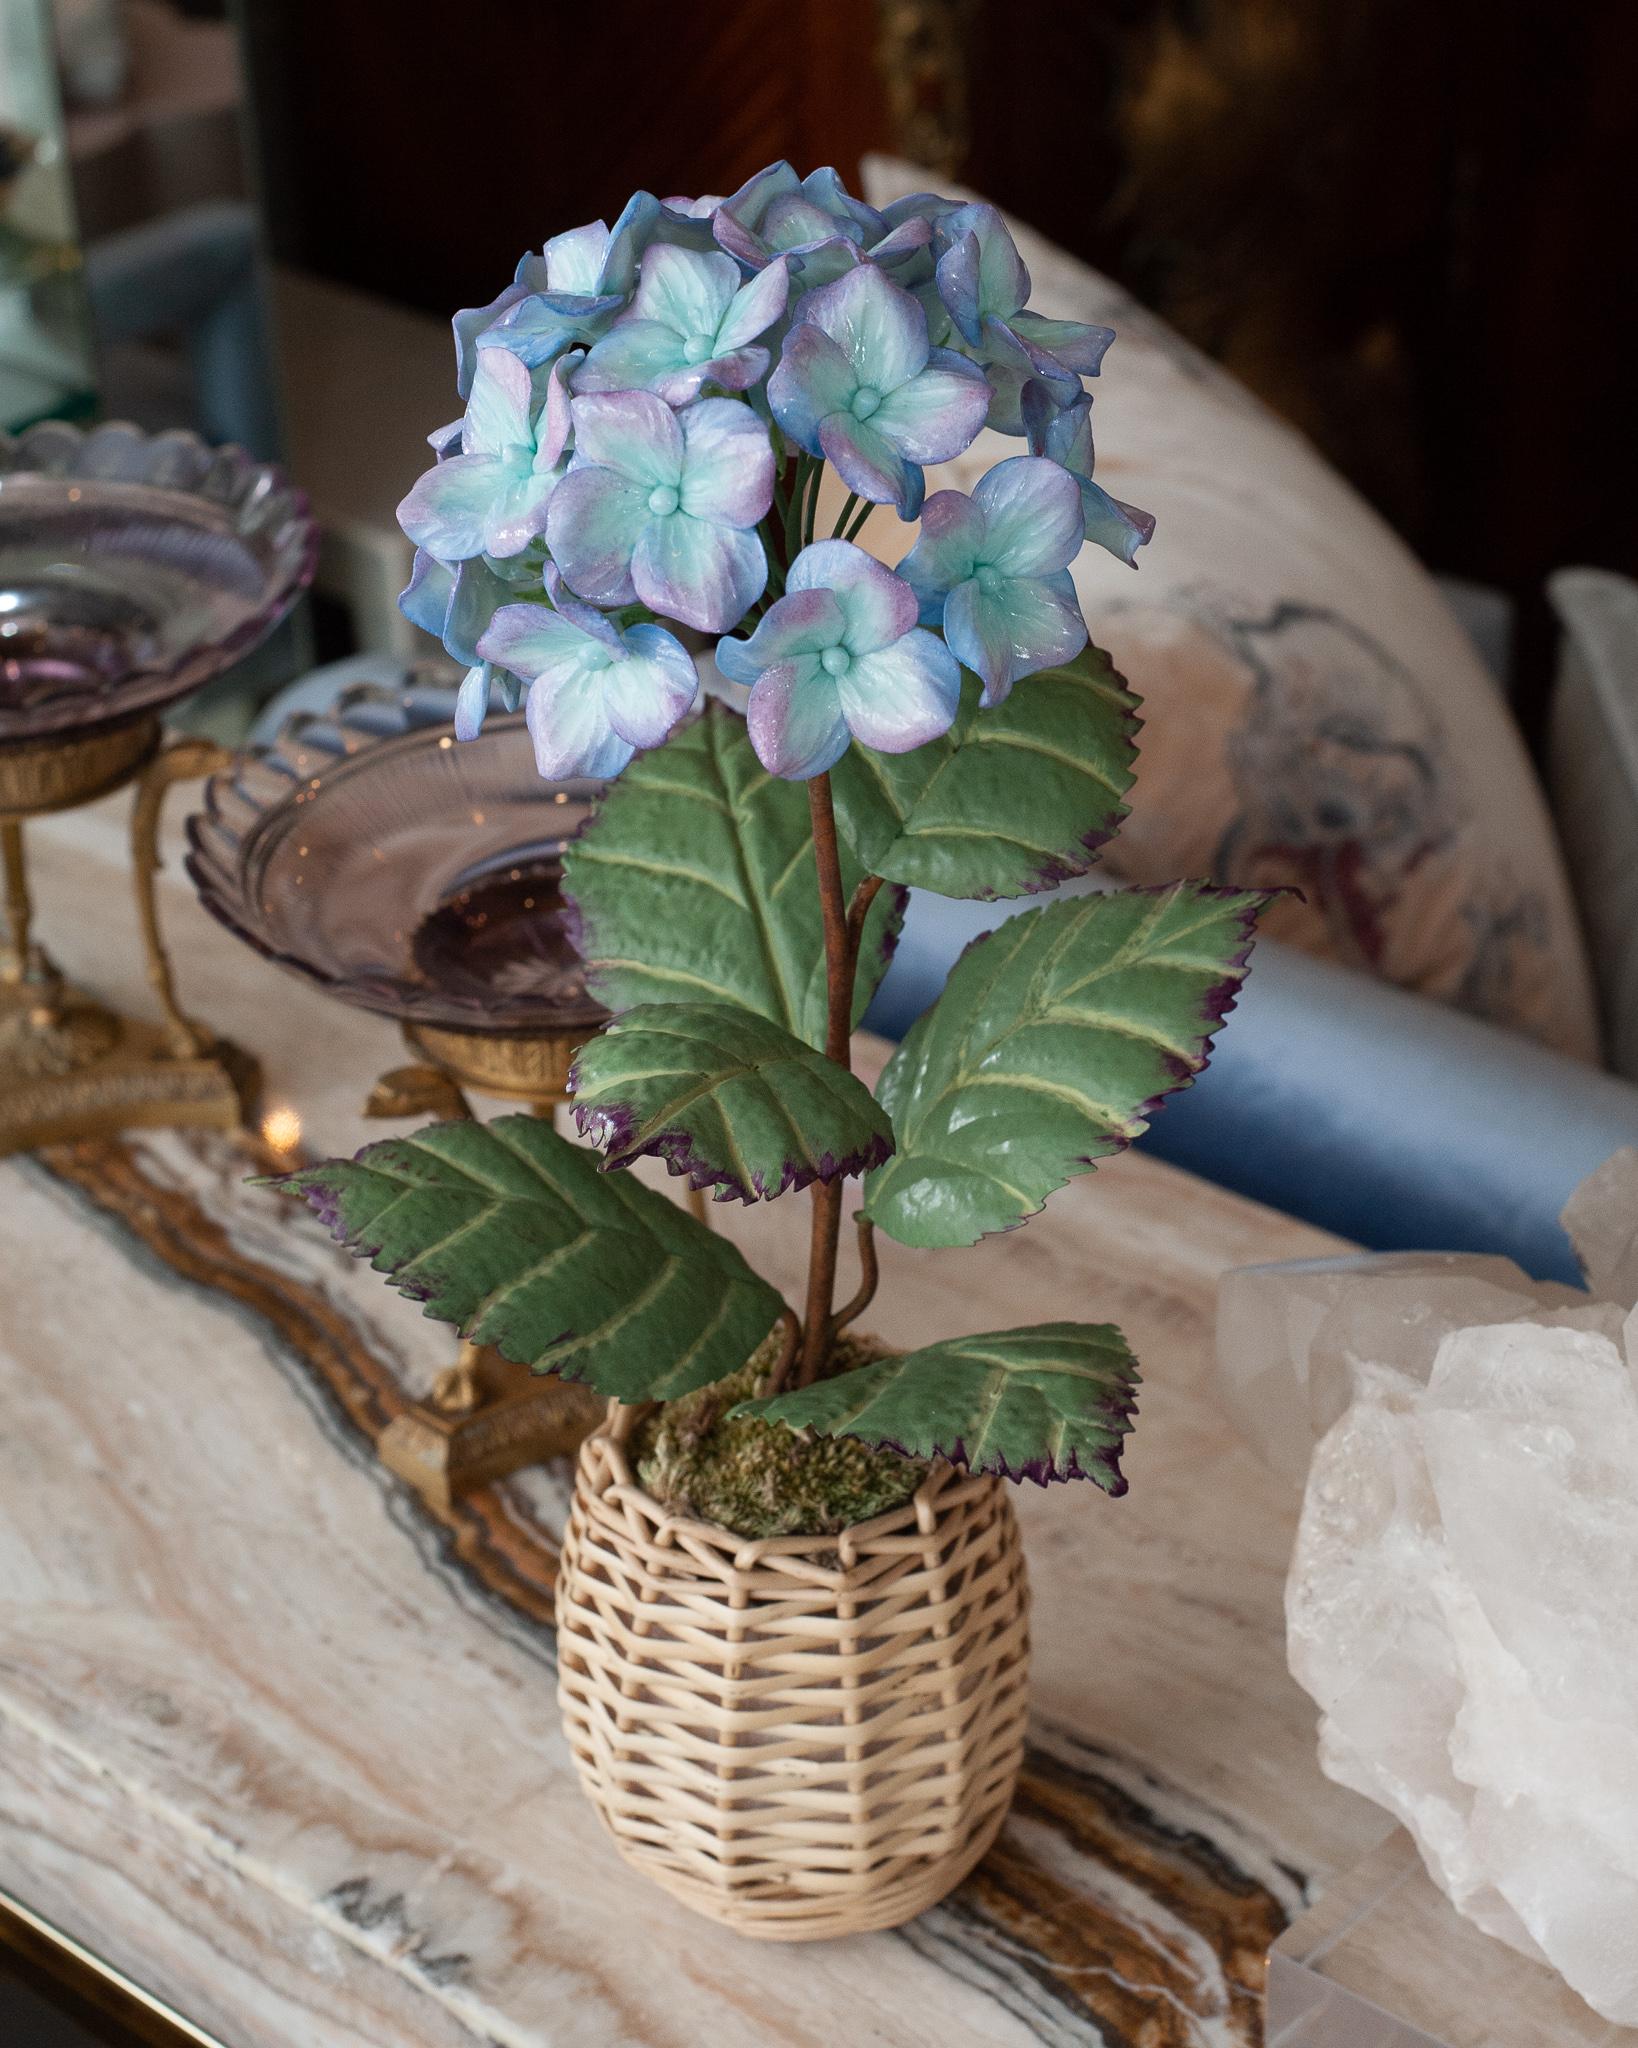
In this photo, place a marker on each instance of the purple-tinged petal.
(946, 550)
(869, 464)
(651, 688)
(425, 599)
(957, 275)
(635, 355)
(794, 222)
(1002, 282)
(904, 695)
(447, 508)
(533, 640)
(824, 187)
(976, 632)
(685, 291)
(593, 522)
(517, 514)
(877, 607)
(556, 422)
(574, 261)
(571, 730)
(1121, 529)
(804, 621)
(822, 263)
(738, 370)
(497, 413)
(879, 327)
(595, 624)
(472, 702)
(706, 575)
(477, 593)
(754, 307)
(936, 415)
(1063, 432)
(446, 440)
(738, 220)
(1032, 516)
(1017, 626)
(795, 720)
(473, 321)
(904, 241)
(1077, 344)
(538, 329)
(728, 464)
(632, 433)
(927, 206)
(812, 380)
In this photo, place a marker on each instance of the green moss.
(761, 1478)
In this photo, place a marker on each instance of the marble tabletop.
(282, 1747)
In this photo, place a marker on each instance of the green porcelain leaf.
(696, 883)
(1009, 801)
(1052, 1402)
(1054, 1042)
(517, 1237)
(729, 1099)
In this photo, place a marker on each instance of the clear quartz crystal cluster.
(1463, 1601)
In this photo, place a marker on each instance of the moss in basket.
(760, 1478)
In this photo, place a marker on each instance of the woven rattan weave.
(800, 1736)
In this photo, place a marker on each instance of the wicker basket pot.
(800, 1736)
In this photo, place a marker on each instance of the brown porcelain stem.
(839, 964)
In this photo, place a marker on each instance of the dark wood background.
(1408, 227)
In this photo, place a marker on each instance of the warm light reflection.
(281, 1130)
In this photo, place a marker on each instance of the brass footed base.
(487, 1418)
(71, 1069)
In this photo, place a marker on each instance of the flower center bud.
(866, 400)
(835, 661)
(989, 577)
(663, 500)
(697, 349)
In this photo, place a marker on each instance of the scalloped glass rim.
(404, 819)
(109, 479)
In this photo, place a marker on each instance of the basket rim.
(608, 1475)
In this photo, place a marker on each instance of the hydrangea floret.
(654, 410)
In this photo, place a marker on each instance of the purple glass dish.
(133, 568)
(405, 873)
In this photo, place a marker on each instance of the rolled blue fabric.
(1352, 1104)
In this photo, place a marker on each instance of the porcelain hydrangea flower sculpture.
(993, 571)
(595, 692)
(491, 498)
(659, 506)
(691, 323)
(736, 895)
(859, 383)
(841, 657)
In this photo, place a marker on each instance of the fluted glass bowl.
(134, 568)
(404, 872)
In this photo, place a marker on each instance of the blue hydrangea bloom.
(692, 323)
(983, 283)
(814, 221)
(491, 498)
(595, 694)
(1065, 434)
(454, 601)
(841, 655)
(993, 569)
(858, 383)
(572, 292)
(659, 506)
